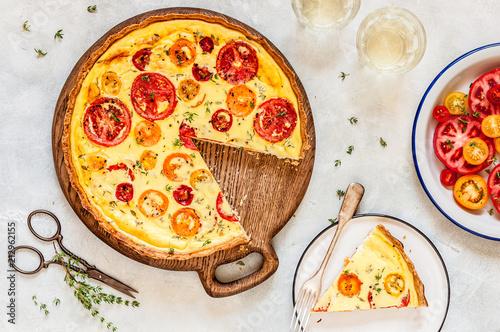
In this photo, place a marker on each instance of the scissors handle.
(41, 265)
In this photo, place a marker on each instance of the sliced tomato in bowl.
(494, 186)
(451, 136)
(478, 101)
(448, 177)
(441, 113)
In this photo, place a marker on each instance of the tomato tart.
(139, 102)
(378, 275)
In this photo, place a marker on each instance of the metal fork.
(309, 292)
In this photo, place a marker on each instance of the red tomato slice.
(441, 113)
(493, 95)
(124, 192)
(448, 177)
(494, 186)
(153, 96)
(183, 195)
(478, 101)
(201, 74)
(122, 166)
(207, 44)
(185, 134)
(106, 122)
(275, 120)
(237, 62)
(449, 139)
(141, 59)
(222, 120)
(222, 213)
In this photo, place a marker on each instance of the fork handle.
(353, 196)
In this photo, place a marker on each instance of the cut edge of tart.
(378, 275)
(126, 238)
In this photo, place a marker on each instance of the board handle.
(215, 288)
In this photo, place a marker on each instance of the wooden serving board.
(264, 190)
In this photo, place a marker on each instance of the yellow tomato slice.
(240, 100)
(475, 151)
(491, 126)
(394, 284)
(457, 103)
(177, 166)
(188, 89)
(186, 222)
(148, 160)
(153, 204)
(496, 142)
(471, 191)
(111, 83)
(349, 284)
(147, 133)
(199, 178)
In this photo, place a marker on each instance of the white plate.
(457, 76)
(428, 263)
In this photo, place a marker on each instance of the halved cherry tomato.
(185, 134)
(202, 74)
(457, 103)
(237, 62)
(441, 113)
(349, 284)
(491, 125)
(394, 284)
(124, 192)
(405, 301)
(183, 195)
(476, 151)
(185, 222)
(494, 186)
(96, 163)
(222, 120)
(111, 83)
(448, 177)
(188, 89)
(275, 120)
(106, 122)
(123, 167)
(199, 178)
(219, 205)
(471, 191)
(153, 203)
(148, 160)
(478, 100)
(240, 100)
(147, 133)
(141, 59)
(207, 44)
(174, 164)
(451, 136)
(496, 143)
(493, 95)
(153, 96)
(182, 53)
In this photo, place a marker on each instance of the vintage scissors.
(90, 270)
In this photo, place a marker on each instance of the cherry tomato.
(451, 136)
(448, 177)
(222, 120)
(188, 89)
(202, 74)
(275, 120)
(493, 95)
(220, 209)
(148, 160)
(441, 113)
(124, 192)
(494, 186)
(111, 83)
(153, 96)
(456, 103)
(182, 53)
(237, 62)
(96, 163)
(176, 166)
(496, 143)
(183, 195)
(349, 284)
(153, 203)
(199, 178)
(491, 126)
(106, 122)
(123, 167)
(207, 44)
(476, 151)
(141, 59)
(240, 100)
(185, 134)
(186, 222)
(147, 133)
(394, 284)
(471, 191)
(478, 100)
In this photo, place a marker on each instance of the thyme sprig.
(89, 296)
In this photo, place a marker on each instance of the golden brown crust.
(419, 286)
(117, 236)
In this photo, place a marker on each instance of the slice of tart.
(378, 275)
